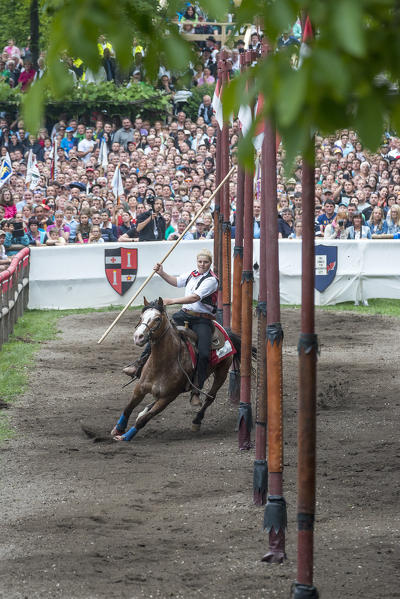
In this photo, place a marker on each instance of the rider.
(198, 309)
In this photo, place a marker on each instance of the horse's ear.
(160, 302)
(145, 302)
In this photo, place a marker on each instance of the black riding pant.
(203, 328)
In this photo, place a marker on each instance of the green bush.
(140, 99)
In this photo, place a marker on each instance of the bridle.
(152, 330)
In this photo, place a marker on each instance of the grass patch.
(383, 307)
(18, 354)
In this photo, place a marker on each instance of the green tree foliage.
(15, 22)
(346, 80)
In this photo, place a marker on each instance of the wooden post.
(275, 517)
(234, 375)
(226, 224)
(306, 440)
(218, 214)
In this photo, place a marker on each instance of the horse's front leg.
(158, 406)
(139, 393)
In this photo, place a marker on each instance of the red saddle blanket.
(216, 355)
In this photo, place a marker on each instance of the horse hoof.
(116, 432)
(195, 427)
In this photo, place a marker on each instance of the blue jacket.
(365, 232)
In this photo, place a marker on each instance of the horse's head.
(151, 322)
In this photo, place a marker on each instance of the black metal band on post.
(275, 514)
(308, 342)
(245, 413)
(260, 476)
(305, 521)
(304, 591)
(247, 275)
(274, 333)
(261, 309)
(238, 251)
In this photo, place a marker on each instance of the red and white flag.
(260, 126)
(308, 35)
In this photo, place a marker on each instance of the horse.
(169, 369)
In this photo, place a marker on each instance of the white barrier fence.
(75, 277)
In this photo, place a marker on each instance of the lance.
(234, 375)
(260, 473)
(275, 517)
(306, 434)
(196, 216)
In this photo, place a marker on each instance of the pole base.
(304, 591)
(219, 316)
(234, 387)
(245, 423)
(260, 482)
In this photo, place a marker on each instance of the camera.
(18, 230)
(341, 223)
(150, 199)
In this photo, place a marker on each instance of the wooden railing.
(227, 30)
(14, 293)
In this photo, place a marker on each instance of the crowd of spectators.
(168, 172)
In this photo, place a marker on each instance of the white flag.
(5, 170)
(34, 176)
(217, 105)
(103, 155)
(116, 184)
(29, 165)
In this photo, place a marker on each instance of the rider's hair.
(206, 253)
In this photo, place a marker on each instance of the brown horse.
(168, 371)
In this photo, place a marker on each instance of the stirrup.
(134, 370)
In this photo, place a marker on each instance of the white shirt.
(84, 146)
(207, 286)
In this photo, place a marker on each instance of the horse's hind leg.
(137, 397)
(158, 406)
(220, 374)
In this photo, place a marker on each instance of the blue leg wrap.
(122, 423)
(130, 434)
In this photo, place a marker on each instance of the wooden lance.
(143, 285)
(219, 215)
(306, 435)
(275, 516)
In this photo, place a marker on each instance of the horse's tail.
(237, 344)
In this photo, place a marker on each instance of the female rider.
(198, 309)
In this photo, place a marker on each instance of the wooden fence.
(14, 293)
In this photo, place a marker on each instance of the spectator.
(86, 146)
(285, 224)
(357, 230)
(150, 224)
(377, 222)
(206, 110)
(125, 134)
(95, 235)
(27, 75)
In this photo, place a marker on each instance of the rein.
(152, 330)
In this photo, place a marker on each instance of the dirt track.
(171, 513)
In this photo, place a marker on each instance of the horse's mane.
(154, 304)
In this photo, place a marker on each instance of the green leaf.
(216, 9)
(32, 106)
(349, 27)
(291, 96)
(369, 121)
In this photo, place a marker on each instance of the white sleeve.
(181, 279)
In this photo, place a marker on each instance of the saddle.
(217, 339)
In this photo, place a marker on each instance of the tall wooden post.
(245, 418)
(226, 224)
(217, 205)
(218, 215)
(308, 350)
(275, 517)
(260, 474)
(234, 375)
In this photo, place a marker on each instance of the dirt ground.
(171, 514)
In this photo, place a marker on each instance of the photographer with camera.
(337, 228)
(16, 239)
(151, 225)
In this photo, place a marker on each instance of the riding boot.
(195, 400)
(135, 370)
